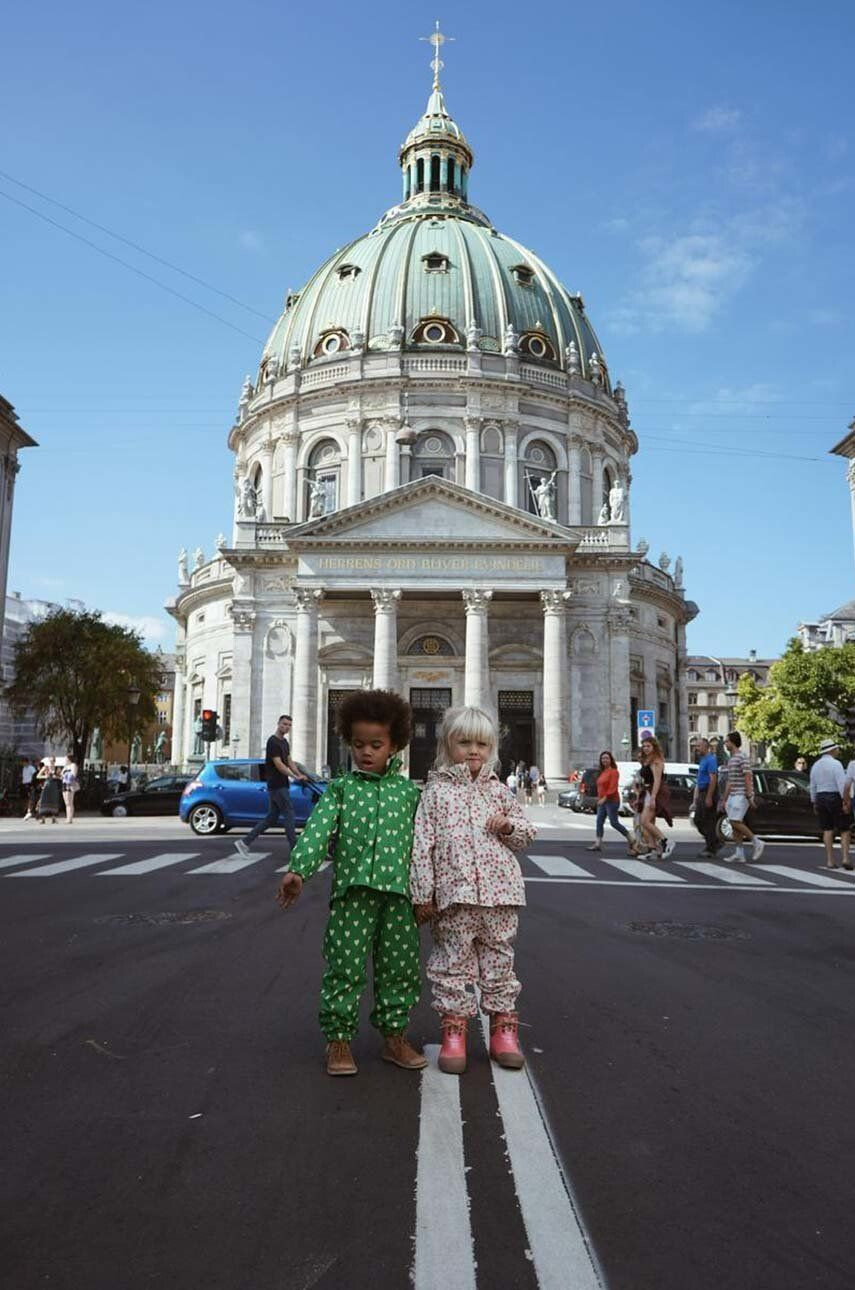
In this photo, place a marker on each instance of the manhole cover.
(687, 931)
(187, 916)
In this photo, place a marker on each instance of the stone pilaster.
(619, 624)
(598, 484)
(354, 461)
(304, 708)
(178, 749)
(473, 454)
(289, 467)
(385, 637)
(511, 466)
(476, 683)
(267, 478)
(575, 483)
(393, 464)
(556, 741)
(243, 624)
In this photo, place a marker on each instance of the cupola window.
(433, 454)
(435, 331)
(523, 275)
(331, 342)
(436, 262)
(537, 345)
(348, 272)
(291, 299)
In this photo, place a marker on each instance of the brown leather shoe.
(398, 1049)
(340, 1058)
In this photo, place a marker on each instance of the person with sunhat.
(828, 791)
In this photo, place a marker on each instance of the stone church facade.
(432, 493)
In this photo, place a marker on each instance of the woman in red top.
(608, 801)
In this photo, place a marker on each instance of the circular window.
(537, 455)
(433, 445)
(430, 645)
(537, 347)
(332, 344)
(435, 333)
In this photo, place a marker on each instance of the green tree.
(73, 671)
(806, 699)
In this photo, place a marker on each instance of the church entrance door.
(428, 710)
(516, 729)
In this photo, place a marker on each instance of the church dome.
(435, 275)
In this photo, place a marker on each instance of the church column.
(304, 707)
(556, 743)
(473, 454)
(598, 484)
(290, 472)
(476, 682)
(267, 479)
(575, 483)
(385, 637)
(393, 475)
(511, 465)
(619, 623)
(354, 462)
(177, 752)
(243, 628)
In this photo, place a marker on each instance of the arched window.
(586, 486)
(492, 463)
(608, 481)
(434, 174)
(449, 175)
(323, 479)
(433, 454)
(539, 474)
(420, 175)
(431, 647)
(435, 331)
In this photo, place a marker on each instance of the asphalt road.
(168, 1121)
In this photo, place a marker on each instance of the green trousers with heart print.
(365, 922)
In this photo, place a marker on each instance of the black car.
(159, 797)
(681, 790)
(782, 806)
(581, 796)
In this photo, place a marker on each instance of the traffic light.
(209, 725)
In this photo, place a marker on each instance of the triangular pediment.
(428, 511)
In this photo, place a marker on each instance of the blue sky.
(688, 167)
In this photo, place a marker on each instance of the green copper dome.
(435, 275)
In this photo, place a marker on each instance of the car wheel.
(119, 812)
(724, 829)
(205, 819)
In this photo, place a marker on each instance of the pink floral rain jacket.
(456, 861)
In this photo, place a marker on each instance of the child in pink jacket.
(465, 877)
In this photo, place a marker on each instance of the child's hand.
(424, 913)
(289, 889)
(499, 824)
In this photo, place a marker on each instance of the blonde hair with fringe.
(468, 723)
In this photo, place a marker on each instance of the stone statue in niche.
(319, 499)
(543, 493)
(247, 499)
(617, 503)
(183, 575)
(603, 517)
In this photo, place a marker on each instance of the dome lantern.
(435, 158)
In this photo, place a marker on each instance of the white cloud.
(250, 240)
(718, 120)
(148, 626)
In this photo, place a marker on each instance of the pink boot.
(452, 1055)
(504, 1049)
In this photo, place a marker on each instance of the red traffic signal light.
(209, 725)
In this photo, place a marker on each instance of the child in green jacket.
(371, 809)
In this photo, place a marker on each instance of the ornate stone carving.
(295, 355)
(477, 600)
(307, 599)
(221, 541)
(245, 397)
(554, 602)
(183, 575)
(850, 474)
(242, 618)
(643, 547)
(396, 336)
(198, 558)
(473, 335)
(277, 583)
(603, 517)
(511, 340)
(543, 493)
(385, 599)
(678, 571)
(279, 639)
(664, 562)
(585, 586)
(617, 503)
(620, 622)
(595, 369)
(574, 367)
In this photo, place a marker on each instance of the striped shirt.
(736, 768)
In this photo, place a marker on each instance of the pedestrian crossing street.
(537, 867)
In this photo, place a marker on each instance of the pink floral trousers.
(474, 944)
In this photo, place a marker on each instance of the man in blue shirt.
(705, 795)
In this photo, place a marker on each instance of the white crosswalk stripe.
(737, 876)
(152, 863)
(647, 872)
(9, 862)
(65, 866)
(231, 864)
(559, 866)
(801, 875)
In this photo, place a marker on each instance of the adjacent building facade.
(13, 437)
(432, 493)
(711, 695)
(837, 628)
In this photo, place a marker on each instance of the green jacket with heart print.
(373, 817)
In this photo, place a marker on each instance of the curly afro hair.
(381, 706)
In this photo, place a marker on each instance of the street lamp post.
(133, 700)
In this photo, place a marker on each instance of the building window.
(711, 674)
(435, 262)
(692, 675)
(431, 647)
(433, 454)
(435, 331)
(348, 272)
(322, 483)
(693, 721)
(539, 470)
(331, 342)
(523, 275)
(660, 621)
(537, 345)
(693, 698)
(227, 719)
(198, 745)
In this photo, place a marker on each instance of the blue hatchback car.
(226, 793)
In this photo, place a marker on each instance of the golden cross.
(437, 39)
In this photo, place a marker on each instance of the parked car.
(568, 797)
(782, 806)
(158, 797)
(681, 788)
(226, 793)
(581, 796)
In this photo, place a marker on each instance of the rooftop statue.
(617, 503)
